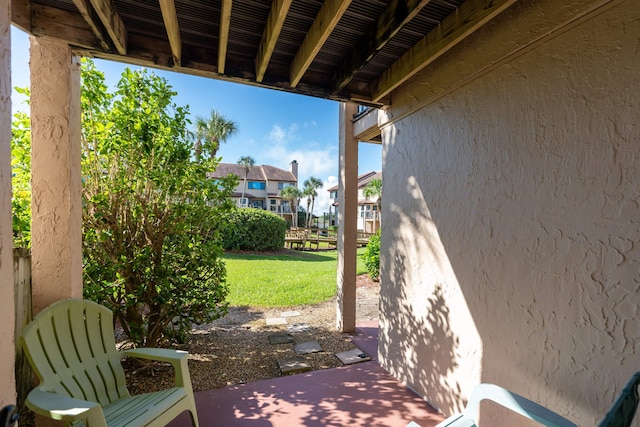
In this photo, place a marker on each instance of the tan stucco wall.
(347, 231)
(56, 231)
(511, 234)
(7, 311)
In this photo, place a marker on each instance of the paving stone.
(276, 321)
(290, 313)
(295, 365)
(353, 356)
(307, 347)
(299, 327)
(281, 338)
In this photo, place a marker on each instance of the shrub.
(252, 229)
(150, 246)
(371, 256)
(21, 177)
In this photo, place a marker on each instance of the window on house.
(283, 185)
(256, 185)
(273, 201)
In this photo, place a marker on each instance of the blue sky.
(274, 127)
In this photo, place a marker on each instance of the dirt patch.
(236, 349)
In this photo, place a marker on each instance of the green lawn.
(287, 279)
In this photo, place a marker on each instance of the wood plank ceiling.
(356, 50)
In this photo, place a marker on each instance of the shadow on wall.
(420, 348)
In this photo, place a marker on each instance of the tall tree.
(151, 249)
(293, 195)
(310, 189)
(374, 189)
(247, 162)
(212, 131)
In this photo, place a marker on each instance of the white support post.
(7, 304)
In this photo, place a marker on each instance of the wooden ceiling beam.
(327, 19)
(112, 23)
(470, 16)
(277, 15)
(21, 14)
(170, 18)
(398, 14)
(94, 22)
(64, 25)
(223, 39)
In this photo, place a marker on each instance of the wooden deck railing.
(299, 238)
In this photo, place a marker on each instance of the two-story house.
(264, 184)
(368, 207)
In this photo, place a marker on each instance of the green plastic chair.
(509, 400)
(71, 348)
(624, 408)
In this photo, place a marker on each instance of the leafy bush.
(21, 180)
(150, 243)
(371, 256)
(252, 229)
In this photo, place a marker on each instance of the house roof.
(363, 180)
(256, 172)
(355, 50)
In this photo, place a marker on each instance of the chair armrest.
(177, 358)
(64, 408)
(516, 403)
(458, 420)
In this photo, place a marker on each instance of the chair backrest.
(71, 347)
(624, 408)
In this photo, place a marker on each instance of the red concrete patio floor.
(363, 394)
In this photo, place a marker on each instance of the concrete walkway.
(363, 394)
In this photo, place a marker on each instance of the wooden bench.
(71, 347)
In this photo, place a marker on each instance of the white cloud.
(323, 201)
(277, 134)
(285, 146)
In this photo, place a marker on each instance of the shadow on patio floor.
(363, 394)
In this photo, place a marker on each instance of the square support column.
(7, 306)
(347, 220)
(56, 231)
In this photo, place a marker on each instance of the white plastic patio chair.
(509, 400)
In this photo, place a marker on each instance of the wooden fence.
(22, 282)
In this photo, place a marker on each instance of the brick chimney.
(294, 168)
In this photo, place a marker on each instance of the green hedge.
(371, 256)
(252, 229)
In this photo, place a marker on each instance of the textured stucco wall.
(56, 231)
(511, 234)
(7, 313)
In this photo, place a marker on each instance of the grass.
(283, 280)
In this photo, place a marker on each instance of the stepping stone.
(299, 327)
(280, 338)
(307, 347)
(290, 314)
(276, 321)
(294, 365)
(353, 356)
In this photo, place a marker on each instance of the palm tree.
(311, 186)
(247, 162)
(293, 195)
(374, 189)
(211, 132)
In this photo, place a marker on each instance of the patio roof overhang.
(347, 50)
